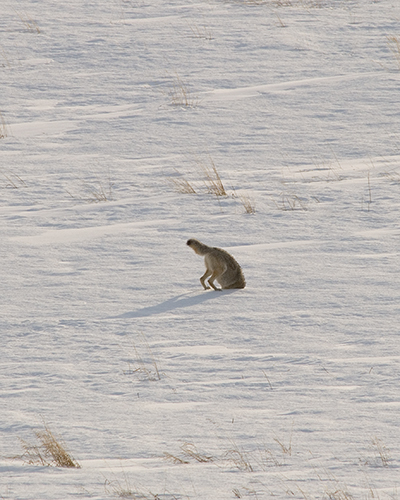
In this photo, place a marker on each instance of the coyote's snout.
(220, 266)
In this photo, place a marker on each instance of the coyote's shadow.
(178, 302)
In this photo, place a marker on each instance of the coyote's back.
(220, 266)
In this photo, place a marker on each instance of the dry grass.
(13, 181)
(333, 168)
(182, 185)
(248, 204)
(369, 200)
(174, 459)
(213, 184)
(212, 179)
(266, 459)
(118, 489)
(122, 488)
(383, 452)
(393, 176)
(201, 32)
(180, 94)
(338, 494)
(313, 4)
(336, 491)
(269, 383)
(29, 23)
(3, 127)
(394, 47)
(149, 368)
(246, 201)
(282, 3)
(239, 458)
(254, 2)
(282, 24)
(290, 202)
(98, 192)
(95, 191)
(236, 457)
(306, 4)
(49, 450)
(286, 448)
(6, 59)
(333, 488)
(190, 451)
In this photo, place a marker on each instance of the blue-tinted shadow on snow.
(178, 302)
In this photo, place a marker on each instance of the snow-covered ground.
(289, 388)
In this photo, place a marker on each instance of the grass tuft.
(174, 459)
(6, 59)
(182, 185)
(286, 448)
(289, 202)
(191, 451)
(95, 190)
(394, 47)
(239, 459)
(49, 450)
(200, 32)
(13, 181)
(180, 94)
(248, 204)
(121, 489)
(29, 23)
(383, 452)
(3, 127)
(149, 368)
(393, 176)
(306, 4)
(212, 178)
(213, 184)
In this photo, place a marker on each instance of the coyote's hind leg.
(202, 279)
(214, 276)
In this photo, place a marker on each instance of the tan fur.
(220, 266)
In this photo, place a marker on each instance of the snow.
(289, 388)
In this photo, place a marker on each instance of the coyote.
(220, 266)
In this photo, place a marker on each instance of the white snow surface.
(289, 388)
